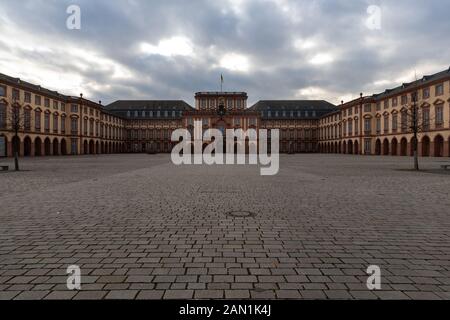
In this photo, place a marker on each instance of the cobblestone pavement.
(141, 228)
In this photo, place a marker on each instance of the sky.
(271, 49)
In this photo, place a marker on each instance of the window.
(55, 123)
(394, 122)
(63, 124)
(238, 103)
(426, 118)
(394, 101)
(386, 104)
(16, 94)
(85, 127)
(2, 115)
(252, 121)
(404, 99)
(440, 89)
(27, 119)
(47, 122)
(37, 120)
(378, 125)
(37, 100)
(55, 104)
(350, 127)
(378, 106)
(203, 103)
(367, 126)
(63, 107)
(27, 97)
(74, 125)
(426, 93)
(404, 121)
(2, 91)
(230, 103)
(91, 127)
(439, 115)
(367, 107)
(205, 121)
(237, 121)
(47, 103)
(74, 108)
(386, 123)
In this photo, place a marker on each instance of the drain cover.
(241, 214)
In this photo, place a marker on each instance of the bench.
(445, 166)
(4, 168)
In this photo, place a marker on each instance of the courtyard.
(141, 228)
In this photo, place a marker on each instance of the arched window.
(27, 119)
(37, 120)
(2, 114)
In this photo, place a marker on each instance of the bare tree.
(415, 120)
(17, 124)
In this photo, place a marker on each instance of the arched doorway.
(27, 147)
(38, 147)
(438, 146)
(356, 147)
(5, 154)
(425, 146)
(350, 147)
(386, 147)
(403, 147)
(394, 145)
(47, 145)
(97, 148)
(85, 147)
(344, 147)
(55, 147)
(63, 147)
(91, 147)
(378, 147)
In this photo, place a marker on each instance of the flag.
(221, 82)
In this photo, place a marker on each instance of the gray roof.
(126, 105)
(410, 85)
(302, 109)
(32, 87)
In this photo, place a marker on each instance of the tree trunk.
(16, 161)
(16, 152)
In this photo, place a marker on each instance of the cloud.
(277, 49)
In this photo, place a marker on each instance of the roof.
(220, 93)
(305, 108)
(32, 87)
(411, 85)
(148, 105)
(293, 105)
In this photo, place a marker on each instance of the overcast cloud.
(272, 49)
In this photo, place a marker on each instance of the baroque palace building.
(55, 124)
(381, 124)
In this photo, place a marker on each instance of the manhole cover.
(241, 214)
